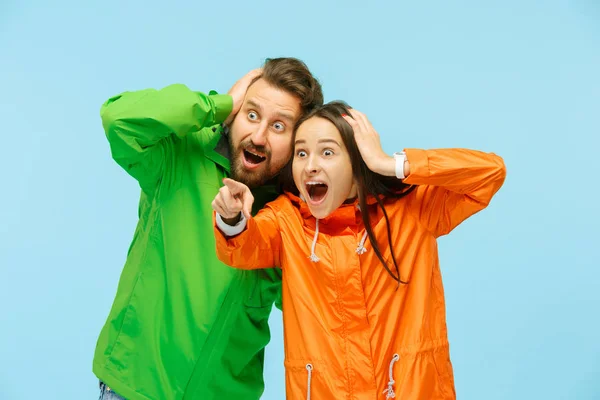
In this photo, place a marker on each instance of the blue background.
(519, 78)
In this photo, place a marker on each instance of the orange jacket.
(350, 331)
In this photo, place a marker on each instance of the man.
(183, 325)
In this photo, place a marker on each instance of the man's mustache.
(249, 146)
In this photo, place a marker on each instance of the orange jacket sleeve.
(453, 185)
(256, 247)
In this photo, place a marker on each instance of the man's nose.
(260, 135)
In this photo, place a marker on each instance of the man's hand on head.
(238, 92)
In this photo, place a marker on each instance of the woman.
(363, 319)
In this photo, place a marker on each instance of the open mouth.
(253, 158)
(316, 191)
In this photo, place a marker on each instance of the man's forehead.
(269, 99)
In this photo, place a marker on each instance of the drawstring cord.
(309, 368)
(361, 245)
(313, 257)
(389, 392)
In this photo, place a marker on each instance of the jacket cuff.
(419, 165)
(223, 104)
(229, 230)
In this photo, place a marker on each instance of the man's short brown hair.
(293, 76)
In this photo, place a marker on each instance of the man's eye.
(278, 126)
(252, 115)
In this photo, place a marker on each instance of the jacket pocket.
(128, 326)
(305, 380)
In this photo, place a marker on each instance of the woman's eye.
(301, 153)
(252, 115)
(327, 153)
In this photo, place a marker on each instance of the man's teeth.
(254, 154)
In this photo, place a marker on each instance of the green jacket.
(182, 325)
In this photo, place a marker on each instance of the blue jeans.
(106, 393)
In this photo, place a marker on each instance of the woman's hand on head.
(369, 144)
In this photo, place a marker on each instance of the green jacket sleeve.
(139, 126)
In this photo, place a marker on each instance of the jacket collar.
(217, 149)
(348, 214)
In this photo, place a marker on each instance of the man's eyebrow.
(285, 115)
(281, 114)
(254, 104)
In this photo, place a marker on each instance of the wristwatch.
(400, 158)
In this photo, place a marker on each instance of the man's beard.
(254, 178)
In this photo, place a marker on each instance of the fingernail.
(344, 115)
